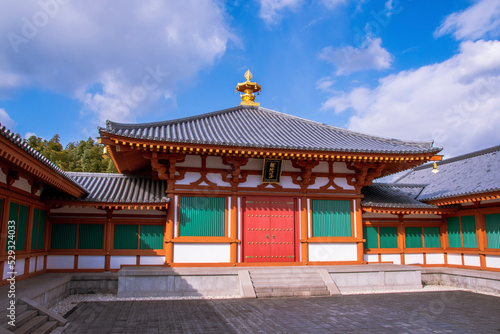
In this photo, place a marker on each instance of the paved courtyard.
(422, 312)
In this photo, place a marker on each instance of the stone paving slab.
(422, 312)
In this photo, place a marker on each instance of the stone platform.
(157, 281)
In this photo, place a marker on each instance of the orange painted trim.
(467, 199)
(332, 239)
(406, 211)
(304, 233)
(203, 240)
(234, 229)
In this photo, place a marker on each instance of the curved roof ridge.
(462, 157)
(115, 175)
(399, 185)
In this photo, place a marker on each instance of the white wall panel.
(472, 260)
(201, 253)
(22, 184)
(414, 258)
(20, 267)
(394, 258)
(152, 260)
(371, 258)
(91, 262)
(434, 258)
(32, 265)
(117, 261)
(333, 252)
(492, 261)
(455, 259)
(40, 263)
(60, 262)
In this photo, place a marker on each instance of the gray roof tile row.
(389, 195)
(248, 126)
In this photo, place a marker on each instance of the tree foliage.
(84, 156)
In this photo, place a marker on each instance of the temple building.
(248, 186)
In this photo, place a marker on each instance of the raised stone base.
(475, 280)
(376, 277)
(160, 281)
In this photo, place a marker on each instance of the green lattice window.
(19, 214)
(202, 216)
(90, 236)
(419, 237)
(461, 232)
(492, 222)
(331, 218)
(413, 237)
(380, 237)
(63, 236)
(135, 236)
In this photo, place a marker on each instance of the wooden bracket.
(237, 176)
(164, 166)
(306, 176)
(12, 175)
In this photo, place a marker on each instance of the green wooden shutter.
(13, 213)
(63, 236)
(151, 237)
(492, 222)
(454, 240)
(371, 237)
(91, 236)
(41, 230)
(34, 228)
(126, 236)
(331, 218)
(413, 236)
(202, 217)
(432, 237)
(469, 231)
(22, 225)
(388, 237)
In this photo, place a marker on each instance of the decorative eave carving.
(12, 175)
(237, 176)
(365, 173)
(163, 164)
(306, 177)
(35, 186)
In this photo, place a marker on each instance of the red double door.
(269, 229)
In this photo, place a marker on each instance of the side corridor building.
(248, 186)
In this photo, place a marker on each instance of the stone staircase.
(277, 282)
(31, 319)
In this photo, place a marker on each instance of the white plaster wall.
(394, 258)
(252, 181)
(152, 260)
(371, 258)
(201, 253)
(215, 162)
(190, 161)
(414, 258)
(333, 252)
(472, 260)
(253, 164)
(116, 261)
(286, 182)
(39, 263)
(3, 177)
(188, 179)
(217, 179)
(91, 262)
(6, 270)
(22, 184)
(434, 258)
(342, 182)
(492, 261)
(341, 167)
(60, 262)
(20, 267)
(32, 264)
(287, 166)
(455, 259)
(322, 167)
(318, 183)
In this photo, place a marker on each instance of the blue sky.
(407, 69)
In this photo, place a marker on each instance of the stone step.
(283, 274)
(20, 309)
(285, 289)
(46, 328)
(287, 279)
(290, 284)
(31, 325)
(292, 294)
(21, 319)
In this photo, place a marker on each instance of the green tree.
(84, 156)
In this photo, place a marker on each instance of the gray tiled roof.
(247, 126)
(390, 195)
(23, 145)
(474, 173)
(118, 188)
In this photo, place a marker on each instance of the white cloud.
(332, 4)
(270, 9)
(107, 55)
(455, 102)
(480, 20)
(29, 134)
(325, 84)
(5, 120)
(347, 59)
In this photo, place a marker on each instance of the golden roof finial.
(248, 89)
